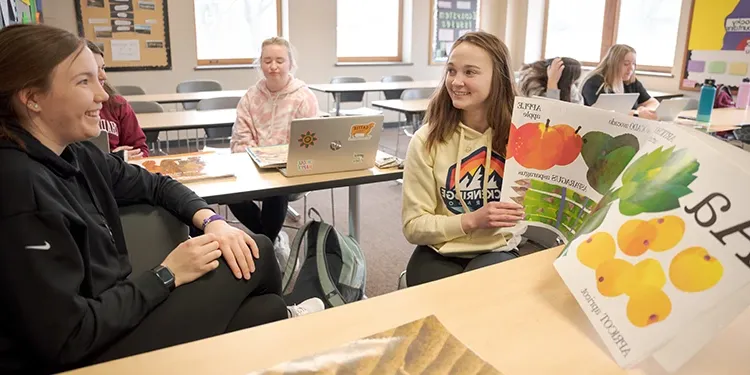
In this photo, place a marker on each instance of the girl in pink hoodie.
(264, 116)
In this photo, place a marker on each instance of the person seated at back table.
(117, 116)
(68, 295)
(459, 225)
(264, 117)
(553, 78)
(616, 74)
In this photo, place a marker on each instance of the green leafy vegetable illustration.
(656, 181)
(653, 183)
(606, 157)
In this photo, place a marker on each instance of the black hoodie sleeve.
(590, 90)
(40, 293)
(133, 184)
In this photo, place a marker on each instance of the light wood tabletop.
(658, 95)
(721, 117)
(185, 97)
(404, 106)
(192, 119)
(250, 183)
(373, 86)
(517, 315)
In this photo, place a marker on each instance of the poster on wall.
(134, 34)
(449, 20)
(718, 43)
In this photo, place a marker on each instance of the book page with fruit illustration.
(666, 244)
(562, 159)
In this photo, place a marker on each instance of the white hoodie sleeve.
(421, 224)
(244, 133)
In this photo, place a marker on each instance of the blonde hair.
(279, 41)
(610, 66)
(443, 117)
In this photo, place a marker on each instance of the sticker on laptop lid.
(358, 158)
(307, 139)
(361, 132)
(304, 165)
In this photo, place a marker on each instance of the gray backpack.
(330, 266)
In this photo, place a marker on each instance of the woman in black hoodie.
(66, 290)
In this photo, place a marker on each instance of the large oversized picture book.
(656, 220)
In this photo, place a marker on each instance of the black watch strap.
(165, 275)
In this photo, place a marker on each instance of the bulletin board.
(449, 19)
(718, 44)
(134, 34)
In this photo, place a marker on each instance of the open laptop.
(669, 109)
(325, 145)
(620, 103)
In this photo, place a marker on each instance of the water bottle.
(743, 95)
(706, 102)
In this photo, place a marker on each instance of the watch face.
(165, 275)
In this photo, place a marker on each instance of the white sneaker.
(308, 306)
(281, 249)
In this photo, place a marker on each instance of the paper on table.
(424, 346)
(126, 50)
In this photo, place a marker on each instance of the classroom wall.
(312, 29)
(533, 10)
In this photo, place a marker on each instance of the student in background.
(616, 74)
(264, 117)
(554, 78)
(117, 117)
(454, 167)
(68, 295)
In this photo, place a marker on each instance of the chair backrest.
(146, 107)
(196, 86)
(150, 234)
(130, 90)
(101, 141)
(354, 96)
(395, 94)
(218, 103)
(414, 94)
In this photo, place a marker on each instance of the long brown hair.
(609, 67)
(443, 117)
(533, 78)
(111, 91)
(28, 57)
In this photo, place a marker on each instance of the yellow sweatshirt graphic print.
(472, 185)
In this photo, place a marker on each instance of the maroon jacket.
(118, 119)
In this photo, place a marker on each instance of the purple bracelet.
(212, 218)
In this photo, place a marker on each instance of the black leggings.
(267, 221)
(214, 304)
(427, 265)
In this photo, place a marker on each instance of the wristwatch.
(165, 275)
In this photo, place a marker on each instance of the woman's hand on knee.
(238, 248)
(193, 259)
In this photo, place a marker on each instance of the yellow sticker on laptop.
(361, 132)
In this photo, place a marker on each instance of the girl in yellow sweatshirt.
(455, 163)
